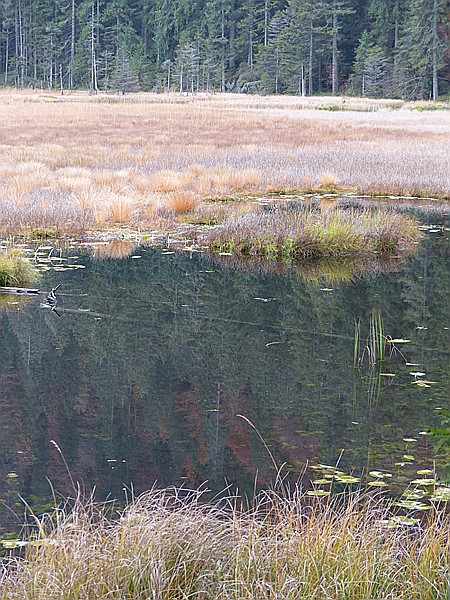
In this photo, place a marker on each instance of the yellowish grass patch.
(183, 201)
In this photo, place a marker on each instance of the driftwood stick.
(18, 290)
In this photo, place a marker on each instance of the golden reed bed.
(72, 162)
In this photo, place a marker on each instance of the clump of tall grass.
(15, 268)
(183, 201)
(170, 545)
(296, 232)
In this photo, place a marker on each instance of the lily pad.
(318, 493)
(380, 474)
(424, 482)
(412, 505)
(398, 521)
(441, 494)
(347, 479)
(11, 544)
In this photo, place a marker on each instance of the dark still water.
(141, 377)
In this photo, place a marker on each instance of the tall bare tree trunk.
(6, 57)
(93, 58)
(435, 83)
(334, 65)
(266, 23)
(311, 56)
(72, 46)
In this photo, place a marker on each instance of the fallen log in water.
(18, 290)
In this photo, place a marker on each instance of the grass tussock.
(183, 201)
(296, 232)
(15, 269)
(170, 545)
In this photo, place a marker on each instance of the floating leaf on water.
(401, 464)
(399, 341)
(347, 479)
(321, 467)
(409, 440)
(322, 481)
(412, 505)
(425, 381)
(424, 482)
(409, 457)
(417, 374)
(377, 483)
(10, 544)
(412, 364)
(398, 521)
(380, 474)
(414, 494)
(318, 493)
(425, 472)
(12, 475)
(421, 384)
(441, 494)
(387, 374)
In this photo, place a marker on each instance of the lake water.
(144, 374)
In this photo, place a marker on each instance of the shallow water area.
(144, 372)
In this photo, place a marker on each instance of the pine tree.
(369, 75)
(420, 50)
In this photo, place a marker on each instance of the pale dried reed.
(182, 201)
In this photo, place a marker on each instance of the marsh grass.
(15, 268)
(147, 147)
(172, 545)
(298, 232)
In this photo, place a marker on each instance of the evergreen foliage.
(397, 48)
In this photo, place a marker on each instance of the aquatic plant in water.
(15, 268)
(292, 232)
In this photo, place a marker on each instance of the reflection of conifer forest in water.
(141, 378)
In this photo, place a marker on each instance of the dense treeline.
(393, 48)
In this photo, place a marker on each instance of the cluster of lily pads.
(422, 494)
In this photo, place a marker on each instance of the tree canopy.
(393, 48)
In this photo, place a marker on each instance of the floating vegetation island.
(295, 231)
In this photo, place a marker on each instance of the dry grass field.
(68, 163)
